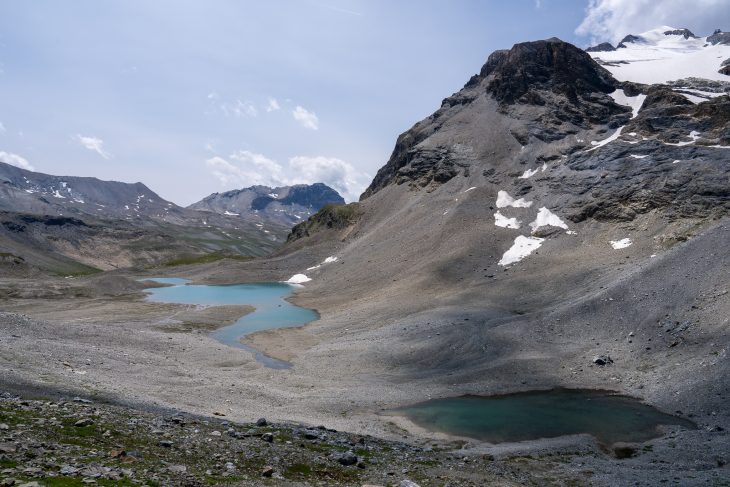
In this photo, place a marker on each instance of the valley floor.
(95, 338)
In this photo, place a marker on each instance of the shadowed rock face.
(686, 33)
(719, 37)
(520, 74)
(602, 47)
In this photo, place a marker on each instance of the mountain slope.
(65, 224)
(544, 214)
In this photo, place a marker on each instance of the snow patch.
(502, 221)
(528, 173)
(329, 260)
(228, 213)
(504, 200)
(608, 140)
(658, 58)
(621, 244)
(635, 156)
(694, 135)
(546, 218)
(298, 279)
(633, 102)
(470, 189)
(521, 248)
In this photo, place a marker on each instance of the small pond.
(272, 310)
(608, 417)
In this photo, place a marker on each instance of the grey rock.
(268, 437)
(165, 443)
(602, 360)
(81, 423)
(177, 469)
(68, 470)
(719, 37)
(7, 448)
(602, 47)
(407, 483)
(261, 422)
(346, 459)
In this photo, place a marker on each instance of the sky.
(192, 98)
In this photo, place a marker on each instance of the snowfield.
(659, 58)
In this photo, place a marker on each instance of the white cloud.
(246, 168)
(15, 160)
(611, 20)
(306, 118)
(273, 105)
(93, 144)
(239, 109)
(336, 173)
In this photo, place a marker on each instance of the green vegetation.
(203, 259)
(336, 217)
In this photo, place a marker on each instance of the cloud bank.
(246, 168)
(15, 160)
(611, 20)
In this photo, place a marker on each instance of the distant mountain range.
(287, 205)
(61, 221)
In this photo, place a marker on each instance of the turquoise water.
(272, 310)
(610, 418)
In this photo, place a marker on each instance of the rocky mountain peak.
(550, 65)
(686, 33)
(719, 37)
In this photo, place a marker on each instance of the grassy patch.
(299, 469)
(204, 259)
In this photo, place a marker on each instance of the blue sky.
(196, 97)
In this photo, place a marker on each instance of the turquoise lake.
(609, 418)
(272, 310)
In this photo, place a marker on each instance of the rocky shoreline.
(76, 441)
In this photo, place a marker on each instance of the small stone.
(346, 459)
(624, 450)
(117, 453)
(261, 422)
(177, 469)
(81, 423)
(267, 437)
(165, 443)
(81, 400)
(68, 470)
(7, 448)
(4, 426)
(602, 360)
(268, 471)
(218, 413)
(215, 433)
(8, 482)
(30, 484)
(408, 483)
